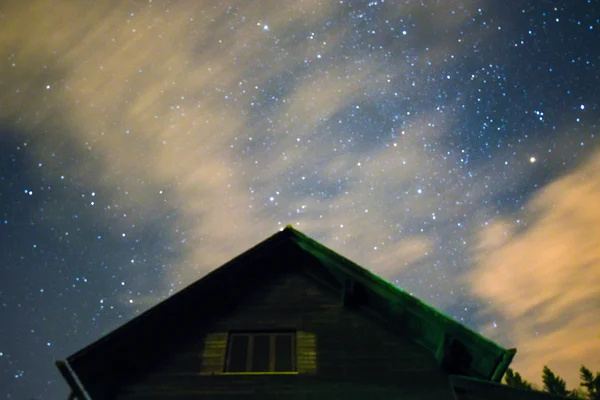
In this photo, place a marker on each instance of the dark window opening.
(238, 347)
(284, 360)
(268, 352)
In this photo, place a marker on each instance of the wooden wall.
(354, 356)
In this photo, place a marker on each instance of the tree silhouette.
(590, 382)
(552, 383)
(513, 379)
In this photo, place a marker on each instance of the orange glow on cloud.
(545, 279)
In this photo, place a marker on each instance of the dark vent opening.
(458, 358)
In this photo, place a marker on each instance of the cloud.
(162, 111)
(168, 104)
(543, 279)
(150, 103)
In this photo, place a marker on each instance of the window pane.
(284, 353)
(238, 353)
(260, 353)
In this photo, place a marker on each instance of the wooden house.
(291, 319)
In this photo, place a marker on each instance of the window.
(266, 352)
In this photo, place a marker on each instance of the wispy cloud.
(162, 109)
(542, 279)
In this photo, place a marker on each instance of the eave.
(424, 324)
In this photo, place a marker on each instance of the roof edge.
(451, 326)
(503, 365)
(370, 275)
(282, 234)
(72, 380)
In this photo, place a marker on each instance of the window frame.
(272, 352)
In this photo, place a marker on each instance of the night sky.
(451, 147)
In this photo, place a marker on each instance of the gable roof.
(458, 349)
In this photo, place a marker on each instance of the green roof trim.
(437, 331)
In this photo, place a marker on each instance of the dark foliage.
(513, 379)
(552, 383)
(591, 382)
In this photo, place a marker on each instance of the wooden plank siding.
(342, 353)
